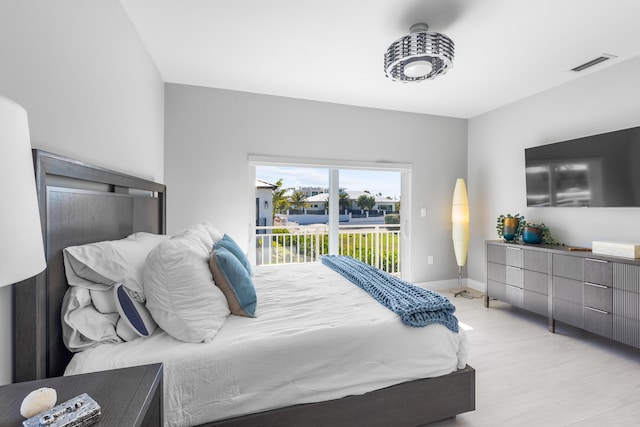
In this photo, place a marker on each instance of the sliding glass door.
(303, 212)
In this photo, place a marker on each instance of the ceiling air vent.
(595, 61)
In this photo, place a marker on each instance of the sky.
(385, 182)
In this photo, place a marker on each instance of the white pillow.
(197, 231)
(181, 295)
(103, 264)
(204, 231)
(216, 235)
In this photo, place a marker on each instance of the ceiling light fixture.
(419, 56)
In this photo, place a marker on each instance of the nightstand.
(128, 397)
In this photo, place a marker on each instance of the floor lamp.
(460, 231)
(21, 251)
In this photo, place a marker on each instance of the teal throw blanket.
(416, 306)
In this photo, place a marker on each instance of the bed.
(83, 204)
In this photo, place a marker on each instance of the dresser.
(597, 293)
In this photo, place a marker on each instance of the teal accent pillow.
(234, 281)
(228, 243)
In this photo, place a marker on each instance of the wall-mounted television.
(595, 171)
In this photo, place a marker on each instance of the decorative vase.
(510, 229)
(532, 235)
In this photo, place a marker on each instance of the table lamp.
(21, 246)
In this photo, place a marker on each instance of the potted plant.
(536, 233)
(509, 227)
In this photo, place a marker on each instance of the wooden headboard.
(79, 203)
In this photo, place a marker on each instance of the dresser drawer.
(515, 276)
(598, 296)
(515, 257)
(536, 261)
(536, 282)
(598, 321)
(497, 290)
(568, 290)
(598, 271)
(536, 303)
(569, 267)
(497, 254)
(497, 272)
(515, 296)
(568, 312)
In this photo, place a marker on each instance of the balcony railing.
(375, 244)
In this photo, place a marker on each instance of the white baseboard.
(439, 285)
(475, 285)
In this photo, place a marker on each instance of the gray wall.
(90, 90)
(599, 102)
(210, 133)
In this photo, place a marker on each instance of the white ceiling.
(332, 50)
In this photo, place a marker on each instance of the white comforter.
(316, 337)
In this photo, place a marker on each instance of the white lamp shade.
(21, 248)
(460, 222)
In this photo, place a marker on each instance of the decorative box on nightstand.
(128, 397)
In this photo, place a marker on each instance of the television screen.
(594, 171)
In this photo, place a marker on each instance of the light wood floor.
(527, 376)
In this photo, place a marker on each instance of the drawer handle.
(596, 310)
(514, 249)
(514, 268)
(595, 285)
(597, 260)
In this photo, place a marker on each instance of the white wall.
(88, 84)
(210, 133)
(91, 92)
(599, 102)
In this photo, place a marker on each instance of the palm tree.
(366, 202)
(298, 200)
(279, 200)
(344, 201)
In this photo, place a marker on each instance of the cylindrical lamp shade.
(460, 222)
(21, 248)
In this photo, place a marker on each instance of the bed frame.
(81, 203)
